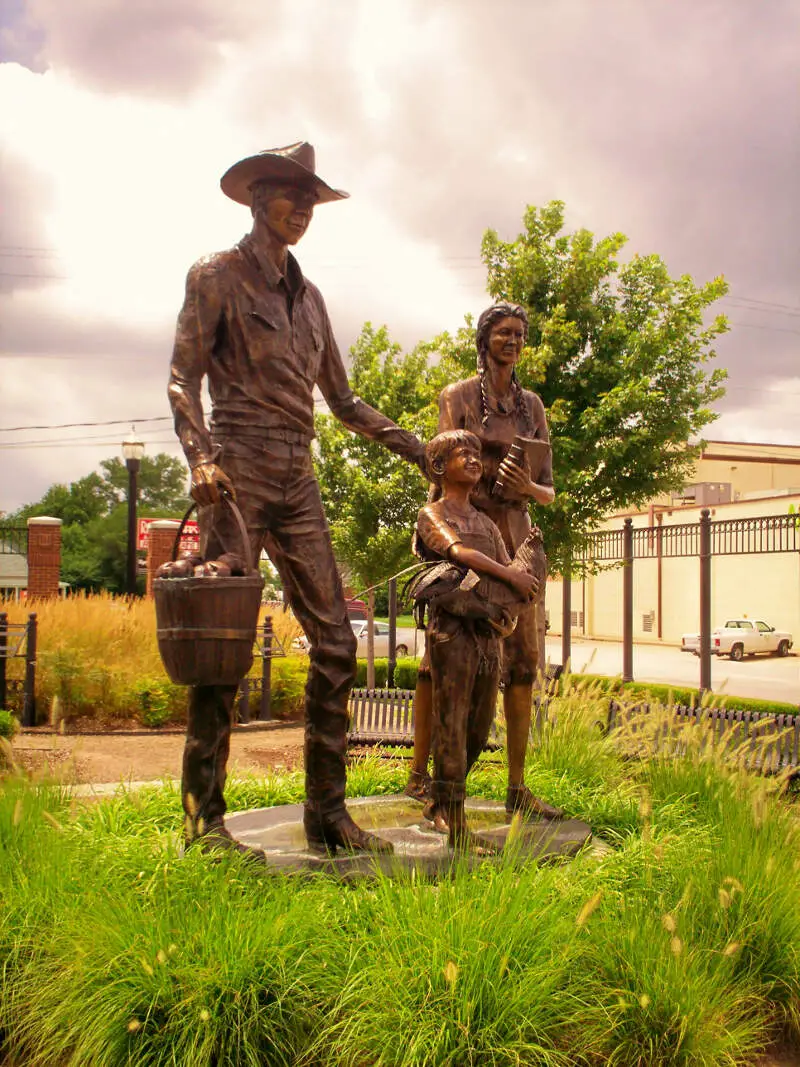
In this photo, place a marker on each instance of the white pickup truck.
(742, 637)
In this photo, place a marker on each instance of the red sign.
(190, 539)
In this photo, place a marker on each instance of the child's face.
(463, 466)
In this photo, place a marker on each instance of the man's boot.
(327, 823)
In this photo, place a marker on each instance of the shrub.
(405, 673)
(158, 701)
(8, 725)
(288, 689)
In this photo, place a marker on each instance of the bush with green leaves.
(8, 725)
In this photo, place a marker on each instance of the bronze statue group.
(258, 331)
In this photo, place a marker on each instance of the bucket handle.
(239, 522)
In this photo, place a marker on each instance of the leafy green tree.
(162, 481)
(371, 496)
(93, 510)
(618, 353)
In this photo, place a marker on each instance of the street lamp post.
(132, 450)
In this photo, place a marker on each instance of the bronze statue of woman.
(495, 407)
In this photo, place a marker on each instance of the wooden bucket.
(207, 626)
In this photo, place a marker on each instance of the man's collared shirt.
(264, 340)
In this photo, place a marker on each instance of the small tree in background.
(371, 496)
(94, 512)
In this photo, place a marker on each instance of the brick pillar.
(44, 557)
(160, 539)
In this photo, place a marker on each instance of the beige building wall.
(748, 468)
(760, 586)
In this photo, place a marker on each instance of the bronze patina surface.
(259, 332)
(494, 406)
(464, 629)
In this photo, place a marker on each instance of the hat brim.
(237, 180)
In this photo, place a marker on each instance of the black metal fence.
(18, 641)
(704, 540)
(13, 540)
(267, 648)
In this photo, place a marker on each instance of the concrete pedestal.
(279, 833)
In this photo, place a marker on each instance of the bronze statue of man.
(259, 331)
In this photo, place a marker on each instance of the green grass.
(404, 621)
(679, 945)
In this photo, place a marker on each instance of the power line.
(77, 425)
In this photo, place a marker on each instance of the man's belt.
(261, 436)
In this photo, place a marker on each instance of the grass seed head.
(46, 815)
(589, 908)
(134, 1025)
(16, 818)
(731, 948)
(669, 924)
(675, 946)
(205, 1015)
(724, 898)
(644, 1001)
(450, 972)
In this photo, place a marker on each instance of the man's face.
(506, 339)
(287, 212)
(463, 466)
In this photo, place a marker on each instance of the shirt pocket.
(309, 341)
(266, 331)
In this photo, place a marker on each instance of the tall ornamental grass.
(98, 659)
(672, 939)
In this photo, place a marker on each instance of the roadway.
(766, 677)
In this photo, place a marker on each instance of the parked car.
(742, 637)
(356, 609)
(360, 630)
(381, 639)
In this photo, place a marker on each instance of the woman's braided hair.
(488, 318)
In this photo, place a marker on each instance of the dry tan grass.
(96, 652)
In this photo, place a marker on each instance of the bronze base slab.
(278, 832)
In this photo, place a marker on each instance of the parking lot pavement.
(766, 677)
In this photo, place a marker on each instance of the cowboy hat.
(293, 164)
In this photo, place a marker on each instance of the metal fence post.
(29, 699)
(3, 647)
(392, 632)
(705, 599)
(566, 613)
(265, 708)
(627, 601)
(244, 701)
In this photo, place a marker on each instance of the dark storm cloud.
(674, 122)
(156, 48)
(54, 334)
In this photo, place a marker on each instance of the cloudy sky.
(674, 121)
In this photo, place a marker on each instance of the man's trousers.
(278, 496)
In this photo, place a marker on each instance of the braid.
(484, 398)
(520, 405)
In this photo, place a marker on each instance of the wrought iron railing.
(13, 539)
(766, 533)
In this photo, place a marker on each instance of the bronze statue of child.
(472, 599)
